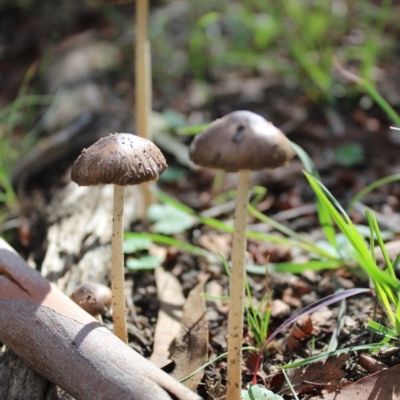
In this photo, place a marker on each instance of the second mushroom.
(121, 159)
(241, 141)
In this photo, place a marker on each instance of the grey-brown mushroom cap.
(94, 298)
(120, 158)
(241, 140)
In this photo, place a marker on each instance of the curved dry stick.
(60, 341)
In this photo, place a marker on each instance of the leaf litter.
(283, 203)
(322, 374)
(383, 385)
(189, 351)
(171, 298)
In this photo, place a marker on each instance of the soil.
(322, 132)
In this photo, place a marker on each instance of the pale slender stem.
(117, 265)
(143, 87)
(236, 289)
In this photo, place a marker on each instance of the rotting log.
(67, 346)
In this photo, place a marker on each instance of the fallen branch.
(60, 341)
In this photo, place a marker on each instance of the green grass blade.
(176, 203)
(374, 224)
(326, 223)
(291, 243)
(216, 224)
(323, 214)
(306, 160)
(275, 224)
(246, 348)
(360, 251)
(372, 346)
(291, 388)
(379, 329)
(382, 103)
(326, 301)
(295, 268)
(372, 186)
(170, 241)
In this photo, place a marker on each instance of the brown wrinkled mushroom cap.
(94, 298)
(120, 158)
(241, 140)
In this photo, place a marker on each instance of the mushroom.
(121, 159)
(94, 298)
(143, 86)
(241, 141)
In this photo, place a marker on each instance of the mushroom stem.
(143, 86)
(117, 265)
(236, 289)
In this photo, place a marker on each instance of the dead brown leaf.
(217, 242)
(289, 298)
(262, 251)
(370, 364)
(327, 374)
(301, 330)
(215, 305)
(168, 322)
(383, 385)
(189, 350)
(393, 249)
(279, 309)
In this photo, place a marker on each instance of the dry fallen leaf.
(190, 348)
(290, 298)
(383, 385)
(301, 330)
(279, 309)
(393, 249)
(327, 374)
(171, 300)
(370, 364)
(263, 251)
(217, 242)
(215, 306)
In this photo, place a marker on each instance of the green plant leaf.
(191, 130)
(349, 154)
(174, 118)
(256, 392)
(173, 174)
(169, 219)
(145, 262)
(371, 187)
(134, 244)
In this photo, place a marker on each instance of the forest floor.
(349, 141)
